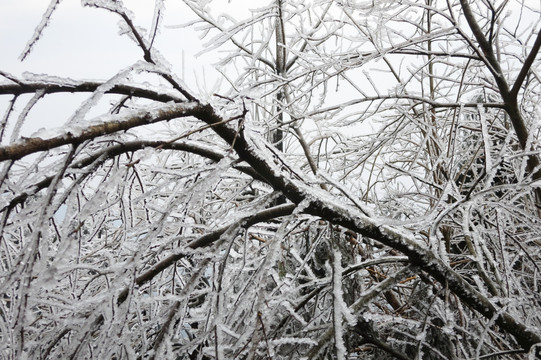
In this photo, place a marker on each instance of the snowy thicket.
(363, 183)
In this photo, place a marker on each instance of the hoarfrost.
(39, 29)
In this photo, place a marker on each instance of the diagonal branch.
(116, 123)
(526, 66)
(231, 32)
(319, 203)
(39, 29)
(485, 45)
(209, 239)
(118, 149)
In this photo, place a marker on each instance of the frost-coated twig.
(39, 29)
(357, 222)
(110, 125)
(67, 85)
(361, 302)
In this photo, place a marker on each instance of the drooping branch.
(111, 125)
(317, 203)
(71, 86)
(208, 239)
(204, 241)
(122, 148)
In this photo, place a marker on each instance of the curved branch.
(118, 149)
(203, 241)
(116, 123)
(526, 66)
(209, 239)
(319, 203)
(67, 85)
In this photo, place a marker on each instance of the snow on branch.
(104, 126)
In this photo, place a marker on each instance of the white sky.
(84, 43)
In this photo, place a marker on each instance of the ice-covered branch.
(105, 126)
(71, 86)
(320, 205)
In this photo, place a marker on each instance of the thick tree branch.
(118, 149)
(113, 124)
(67, 86)
(319, 204)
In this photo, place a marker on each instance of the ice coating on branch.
(125, 29)
(88, 104)
(122, 78)
(337, 308)
(159, 10)
(39, 29)
(340, 309)
(147, 212)
(103, 196)
(46, 78)
(24, 113)
(111, 5)
(293, 340)
(486, 137)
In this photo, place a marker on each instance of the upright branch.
(509, 96)
(280, 66)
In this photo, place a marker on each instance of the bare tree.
(365, 186)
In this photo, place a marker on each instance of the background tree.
(364, 184)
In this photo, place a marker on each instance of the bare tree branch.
(118, 123)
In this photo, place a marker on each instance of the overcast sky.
(84, 43)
